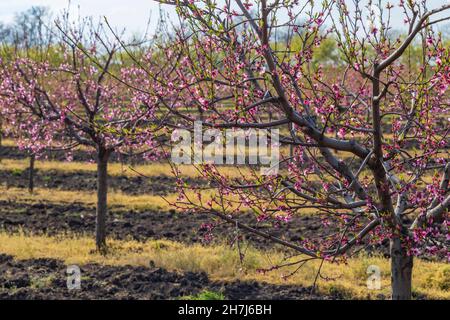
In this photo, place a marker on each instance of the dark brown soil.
(54, 219)
(86, 181)
(47, 279)
(11, 152)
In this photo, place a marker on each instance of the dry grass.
(222, 263)
(118, 199)
(115, 199)
(219, 261)
(117, 169)
(8, 143)
(156, 169)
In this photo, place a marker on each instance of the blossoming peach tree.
(364, 139)
(69, 98)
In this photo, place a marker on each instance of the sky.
(132, 15)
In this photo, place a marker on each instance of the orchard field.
(157, 252)
(122, 173)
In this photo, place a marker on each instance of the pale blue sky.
(130, 14)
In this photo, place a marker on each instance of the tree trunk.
(1, 136)
(102, 189)
(31, 174)
(132, 162)
(401, 271)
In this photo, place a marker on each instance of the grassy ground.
(221, 262)
(115, 199)
(115, 169)
(147, 170)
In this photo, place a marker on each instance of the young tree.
(73, 100)
(368, 134)
(29, 29)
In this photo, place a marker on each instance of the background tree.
(30, 28)
(73, 100)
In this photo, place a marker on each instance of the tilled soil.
(12, 152)
(86, 181)
(52, 219)
(47, 279)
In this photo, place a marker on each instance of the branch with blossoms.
(367, 136)
(62, 99)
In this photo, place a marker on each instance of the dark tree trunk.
(401, 264)
(31, 174)
(102, 190)
(200, 114)
(401, 271)
(1, 136)
(132, 162)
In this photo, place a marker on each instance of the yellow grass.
(149, 170)
(8, 143)
(117, 169)
(118, 199)
(221, 262)
(115, 198)
(12, 143)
